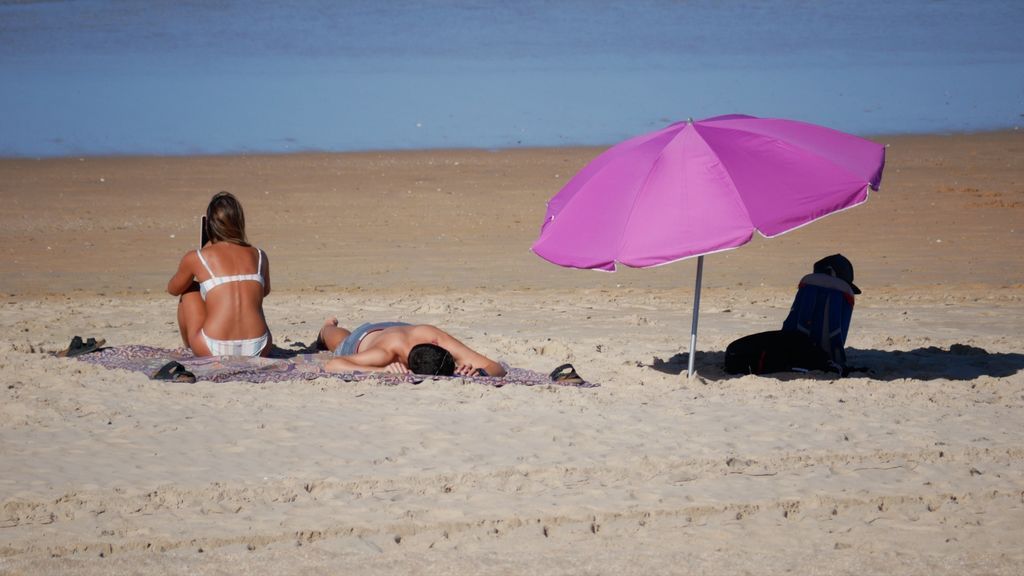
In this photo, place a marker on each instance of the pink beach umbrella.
(695, 188)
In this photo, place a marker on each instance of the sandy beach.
(914, 466)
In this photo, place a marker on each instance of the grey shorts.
(350, 345)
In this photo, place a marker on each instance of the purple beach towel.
(282, 367)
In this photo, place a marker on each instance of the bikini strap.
(205, 265)
(259, 265)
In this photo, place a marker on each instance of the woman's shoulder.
(262, 254)
(190, 257)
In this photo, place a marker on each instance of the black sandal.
(174, 372)
(566, 374)
(79, 347)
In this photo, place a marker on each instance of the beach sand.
(913, 467)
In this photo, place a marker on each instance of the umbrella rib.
(807, 150)
(632, 205)
(732, 182)
(814, 151)
(634, 142)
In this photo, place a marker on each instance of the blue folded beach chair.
(822, 310)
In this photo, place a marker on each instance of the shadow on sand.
(295, 349)
(959, 362)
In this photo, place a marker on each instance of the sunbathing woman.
(221, 288)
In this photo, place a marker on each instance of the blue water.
(168, 77)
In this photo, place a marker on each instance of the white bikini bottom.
(251, 347)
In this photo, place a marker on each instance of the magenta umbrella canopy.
(694, 188)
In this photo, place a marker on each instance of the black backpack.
(776, 351)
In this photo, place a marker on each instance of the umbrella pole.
(696, 314)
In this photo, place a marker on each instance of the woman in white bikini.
(222, 286)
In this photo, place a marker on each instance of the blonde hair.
(225, 220)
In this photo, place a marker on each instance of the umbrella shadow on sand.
(959, 362)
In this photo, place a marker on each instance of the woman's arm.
(266, 275)
(182, 279)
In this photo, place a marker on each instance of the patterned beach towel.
(283, 366)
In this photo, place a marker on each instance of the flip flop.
(79, 347)
(566, 374)
(174, 372)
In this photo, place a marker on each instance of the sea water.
(166, 77)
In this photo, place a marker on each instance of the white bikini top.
(207, 285)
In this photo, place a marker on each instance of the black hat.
(837, 265)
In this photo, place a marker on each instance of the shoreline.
(1008, 130)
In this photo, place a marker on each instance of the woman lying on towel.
(222, 286)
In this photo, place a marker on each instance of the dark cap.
(837, 265)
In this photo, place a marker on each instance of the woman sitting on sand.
(222, 286)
